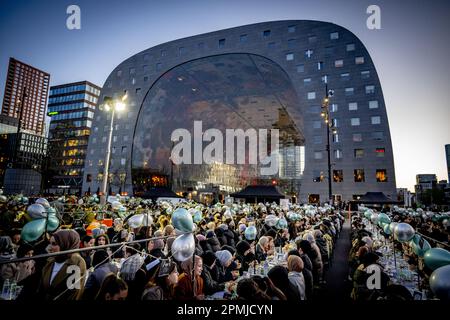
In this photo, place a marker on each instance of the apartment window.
(221, 43)
(289, 57)
(354, 122)
(163, 53)
(145, 68)
(375, 120)
(125, 138)
(116, 127)
(312, 39)
(365, 74)
(320, 65)
(94, 140)
(291, 29)
(357, 137)
(291, 43)
(266, 33)
(353, 106)
(339, 63)
(132, 70)
(311, 95)
(379, 152)
(377, 135)
(317, 139)
(335, 123)
(381, 175)
(92, 151)
(370, 89)
(317, 155)
(350, 47)
(359, 60)
(96, 128)
(359, 153)
(89, 176)
(337, 154)
(100, 162)
(358, 175)
(158, 66)
(334, 35)
(145, 79)
(338, 175)
(181, 50)
(146, 56)
(334, 107)
(336, 138)
(307, 81)
(317, 176)
(124, 149)
(123, 161)
(114, 138)
(317, 124)
(113, 150)
(243, 38)
(325, 79)
(373, 104)
(309, 53)
(300, 68)
(138, 90)
(119, 73)
(103, 139)
(345, 76)
(349, 91)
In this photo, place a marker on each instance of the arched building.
(269, 76)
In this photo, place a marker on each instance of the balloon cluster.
(183, 246)
(43, 219)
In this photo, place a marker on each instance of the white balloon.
(44, 202)
(136, 221)
(183, 247)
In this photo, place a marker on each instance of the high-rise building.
(71, 107)
(447, 155)
(25, 96)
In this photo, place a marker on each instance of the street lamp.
(325, 114)
(110, 105)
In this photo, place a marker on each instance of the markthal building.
(260, 79)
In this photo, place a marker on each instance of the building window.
(312, 39)
(325, 79)
(146, 56)
(353, 106)
(345, 76)
(370, 89)
(123, 161)
(381, 175)
(145, 79)
(359, 175)
(266, 33)
(338, 154)
(336, 138)
(338, 175)
(119, 73)
(317, 124)
(377, 135)
(145, 68)
(339, 63)
(359, 153)
(309, 53)
(138, 90)
(320, 65)
(133, 81)
(113, 150)
(317, 155)
(354, 122)
(334, 107)
(311, 95)
(158, 66)
(163, 53)
(181, 50)
(89, 178)
(335, 123)
(125, 138)
(201, 46)
(103, 139)
(92, 151)
(334, 35)
(349, 91)
(221, 43)
(289, 57)
(375, 120)
(306, 81)
(357, 137)
(291, 43)
(317, 176)
(300, 68)
(350, 47)
(379, 152)
(243, 38)
(359, 60)
(317, 139)
(132, 70)
(114, 138)
(124, 149)
(291, 29)
(100, 162)
(329, 51)
(365, 74)
(373, 104)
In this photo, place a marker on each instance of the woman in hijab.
(280, 278)
(63, 269)
(295, 268)
(184, 290)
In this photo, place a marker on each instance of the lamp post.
(329, 123)
(110, 105)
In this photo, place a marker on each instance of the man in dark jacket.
(211, 286)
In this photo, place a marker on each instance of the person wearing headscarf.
(190, 283)
(307, 271)
(162, 286)
(9, 270)
(64, 269)
(244, 255)
(295, 275)
(213, 241)
(280, 278)
(103, 266)
(132, 271)
(210, 274)
(316, 257)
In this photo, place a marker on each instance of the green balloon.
(52, 223)
(421, 250)
(51, 211)
(182, 220)
(368, 214)
(383, 218)
(387, 229)
(33, 230)
(436, 258)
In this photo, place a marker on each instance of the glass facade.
(227, 92)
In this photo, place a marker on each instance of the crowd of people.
(139, 264)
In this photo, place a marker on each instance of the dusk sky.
(411, 52)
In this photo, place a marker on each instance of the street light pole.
(107, 157)
(329, 123)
